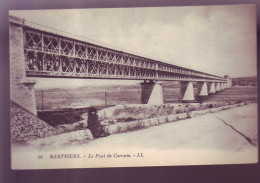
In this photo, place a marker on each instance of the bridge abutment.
(21, 87)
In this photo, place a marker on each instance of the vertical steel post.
(42, 100)
(74, 49)
(42, 42)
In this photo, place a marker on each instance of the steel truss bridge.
(50, 54)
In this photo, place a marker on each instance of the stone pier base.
(187, 92)
(218, 87)
(229, 81)
(21, 87)
(212, 88)
(151, 93)
(23, 94)
(203, 91)
(221, 86)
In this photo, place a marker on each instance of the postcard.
(133, 87)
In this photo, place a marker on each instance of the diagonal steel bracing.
(53, 55)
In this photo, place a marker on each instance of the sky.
(220, 40)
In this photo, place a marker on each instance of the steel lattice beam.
(53, 55)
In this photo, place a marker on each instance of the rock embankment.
(180, 112)
(132, 112)
(26, 126)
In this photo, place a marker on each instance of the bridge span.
(37, 52)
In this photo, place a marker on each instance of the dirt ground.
(225, 137)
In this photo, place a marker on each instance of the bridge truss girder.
(51, 55)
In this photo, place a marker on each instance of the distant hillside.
(241, 81)
(92, 88)
(245, 81)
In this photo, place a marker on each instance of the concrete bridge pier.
(151, 93)
(212, 88)
(225, 85)
(187, 92)
(203, 91)
(221, 86)
(217, 87)
(229, 81)
(21, 87)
